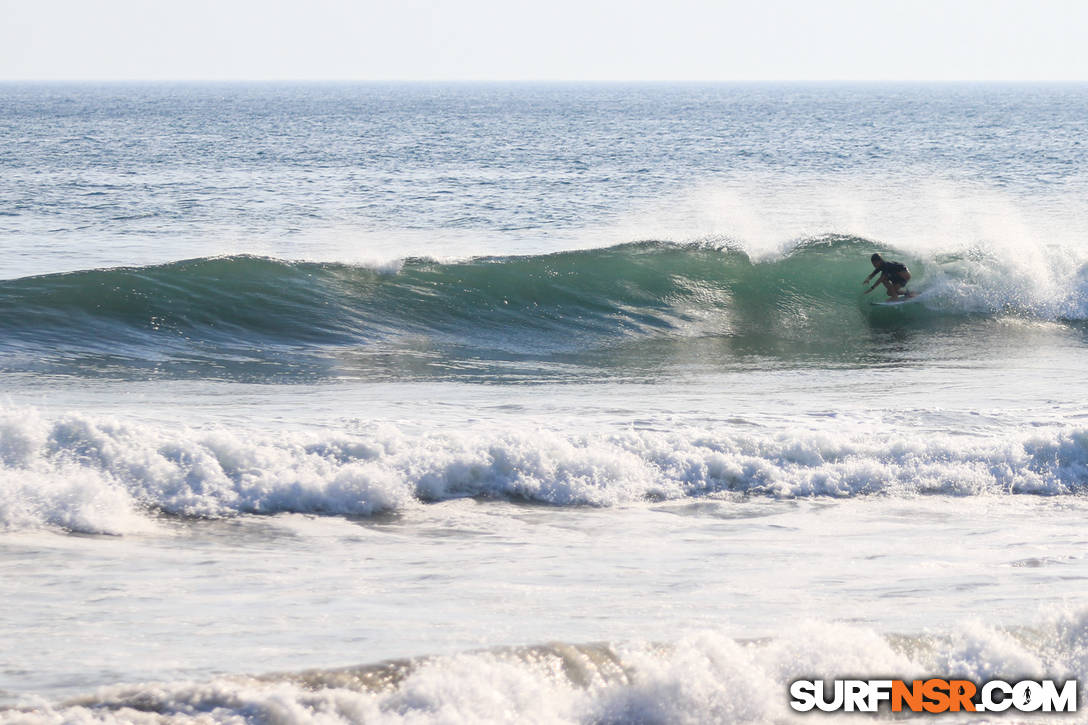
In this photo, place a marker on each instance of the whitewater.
(554, 403)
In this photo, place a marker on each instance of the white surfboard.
(901, 301)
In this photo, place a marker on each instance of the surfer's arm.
(866, 280)
(875, 284)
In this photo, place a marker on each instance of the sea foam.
(698, 678)
(104, 475)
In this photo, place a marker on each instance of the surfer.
(893, 275)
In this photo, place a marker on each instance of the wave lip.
(502, 300)
(99, 475)
(632, 307)
(555, 302)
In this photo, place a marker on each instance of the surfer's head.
(876, 259)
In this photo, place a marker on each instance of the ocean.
(554, 403)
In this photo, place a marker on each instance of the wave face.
(579, 306)
(701, 678)
(98, 475)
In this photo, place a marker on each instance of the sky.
(628, 40)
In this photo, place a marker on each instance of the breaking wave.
(100, 475)
(253, 308)
(702, 678)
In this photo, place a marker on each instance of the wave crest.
(566, 301)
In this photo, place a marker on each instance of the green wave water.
(587, 305)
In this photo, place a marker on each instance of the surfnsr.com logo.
(934, 695)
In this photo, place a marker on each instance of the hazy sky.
(546, 39)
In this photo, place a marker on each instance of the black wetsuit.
(895, 271)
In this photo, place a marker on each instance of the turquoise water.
(240, 317)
